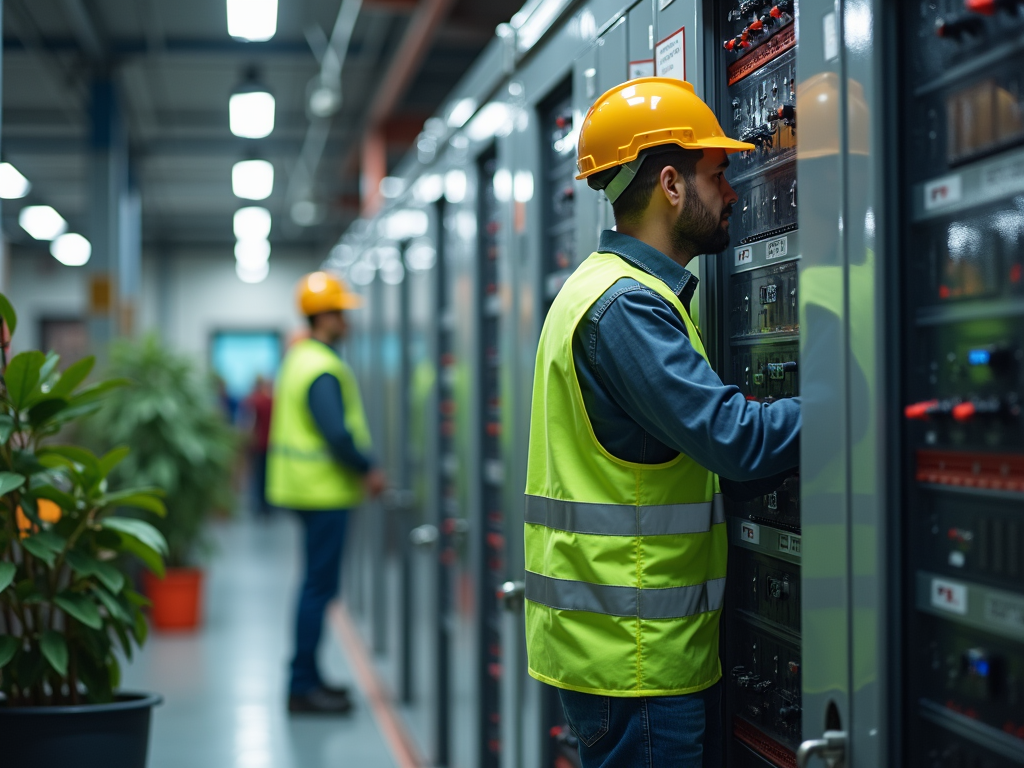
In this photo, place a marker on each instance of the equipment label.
(670, 55)
(1004, 178)
(777, 248)
(942, 192)
(949, 596)
(1008, 612)
(641, 68)
(744, 255)
(750, 533)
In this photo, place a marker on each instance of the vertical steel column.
(378, 526)
(108, 186)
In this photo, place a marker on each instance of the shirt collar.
(680, 280)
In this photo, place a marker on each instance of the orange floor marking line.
(396, 736)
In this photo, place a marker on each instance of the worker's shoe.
(322, 701)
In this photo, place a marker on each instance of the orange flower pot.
(177, 598)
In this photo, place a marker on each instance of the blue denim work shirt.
(650, 396)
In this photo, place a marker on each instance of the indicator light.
(920, 411)
(979, 357)
(964, 411)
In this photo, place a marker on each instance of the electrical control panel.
(759, 327)
(559, 153)
(962, 171)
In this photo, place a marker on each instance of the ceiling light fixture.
(252, 223)
(251, 108)
(462, 110)
(252, 274)
(252, 253)
(42, 222)
(252, 20)
(12, 184)
(495, 119)
(252, 179)
(71, 249)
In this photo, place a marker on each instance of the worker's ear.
(672, 187)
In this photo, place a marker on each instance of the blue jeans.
(651, 732)
(324, 541)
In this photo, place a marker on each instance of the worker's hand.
(375, 482)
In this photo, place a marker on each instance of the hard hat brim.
(719, 142)
(337, 304)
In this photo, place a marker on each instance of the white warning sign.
(670, 55)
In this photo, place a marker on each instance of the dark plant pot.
(177, 598)
(112, 735)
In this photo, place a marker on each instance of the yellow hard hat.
(320, 292)
(644, 113)
(817, 101)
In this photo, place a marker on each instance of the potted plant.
(66, 606)
(181, 444)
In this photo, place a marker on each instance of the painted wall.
(186, 295)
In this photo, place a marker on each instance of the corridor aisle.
(224, 687)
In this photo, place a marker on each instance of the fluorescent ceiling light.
(251, 114)
(252, 253)
(523, 187)
(493, 120)
(535, 19)
(252, 274)
(406, 223)
(252, 20)
(252, 223)
(12, 184)
(71, 249)
(420, 257)
(42, 222)
(428, 188)
(252, 179)
(455, 185)
(462, 110)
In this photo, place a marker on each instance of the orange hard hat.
(323, 292)
(644, 113)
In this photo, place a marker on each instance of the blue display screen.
(979, 357)
(239, 357)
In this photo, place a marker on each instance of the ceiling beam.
(130, 47)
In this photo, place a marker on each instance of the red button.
(964, 411)
(776, 13)
(729, 45)
(757, 26)
(919, 411)
(986, 7)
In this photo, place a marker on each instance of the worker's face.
(704, 206)
(334, 325)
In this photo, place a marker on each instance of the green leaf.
(40, 550)
(72, 452)
(73, 376)
(140, 601)
(86, 565)
(8, 644)
(43, 411)
(99, 389)
(7, 571)
(144, 501)
(8, 314)
(52, 358)
(6, 428)
(22, 376)
(81, 608)
(50, 540)
(114, 608)
(139, 530)
(112, 458)
(126, 644)
(141, 628)
(150, 557)
(55, 649)
(10, 481)
(77, 412)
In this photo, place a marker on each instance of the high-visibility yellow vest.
(301, 472)
(625, 562)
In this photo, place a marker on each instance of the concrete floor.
(224, 687)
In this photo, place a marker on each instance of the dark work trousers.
(324, 538)
(651, 732)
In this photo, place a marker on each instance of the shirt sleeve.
(328, 409)
(641, 352)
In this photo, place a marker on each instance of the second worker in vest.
(630, 431)
(319, 466)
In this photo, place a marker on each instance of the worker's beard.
(698, 230)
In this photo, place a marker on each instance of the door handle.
(424, 535)
(512, 594)
(831, 748)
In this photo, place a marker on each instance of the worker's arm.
(639, 350)
(328, 409)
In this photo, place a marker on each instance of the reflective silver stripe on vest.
(665, 603)
(625, 520)
(296, 453)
